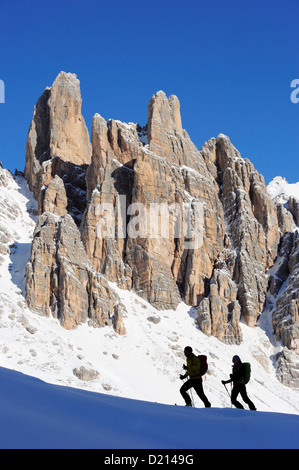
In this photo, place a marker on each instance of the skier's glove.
(182, 377)
(223, 382)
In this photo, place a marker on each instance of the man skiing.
(238, 379)
(195, 380)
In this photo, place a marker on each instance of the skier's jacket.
(193, 367)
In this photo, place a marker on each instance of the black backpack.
(247, 372)
(203, 364)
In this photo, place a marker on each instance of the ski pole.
(227, 391)
(191, 397)
(192, 400)
(228, 394)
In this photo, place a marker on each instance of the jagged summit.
(58, 137)
(101, 220)
(281, 189)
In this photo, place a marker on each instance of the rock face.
(283, 290)
(286, 305)
(57, 135)
(61, 282)
(150, 253)
(144, 208)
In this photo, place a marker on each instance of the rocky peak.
(57, 134)
(164, 127)
(69, 138)
(164, 112)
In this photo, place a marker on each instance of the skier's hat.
(236, 358)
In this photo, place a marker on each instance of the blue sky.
(230, 62)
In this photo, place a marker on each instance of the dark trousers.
(241, 388)
(197, 385)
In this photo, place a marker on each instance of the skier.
(193, 371)
(238, 379)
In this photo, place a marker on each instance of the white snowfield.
(38, 415)
(132, 402)
(279, 188)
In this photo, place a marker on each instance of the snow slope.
(281, 190)
(142, 365)
(38, 415)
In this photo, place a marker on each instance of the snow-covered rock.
(281, 190)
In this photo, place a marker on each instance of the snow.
(281, 190)
(38, 415)
(132, 402)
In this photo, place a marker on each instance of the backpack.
(247, 372)
(203, 364)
